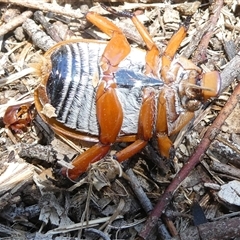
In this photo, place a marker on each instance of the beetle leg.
(109, 112)
(145, 126)
(188, 64)
(168, 120)
(171, 50)
(110, 117)
(117, 48)
(83, 161)
(183, 119)
(152, 56)
(164, 143)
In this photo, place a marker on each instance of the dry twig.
(225, 229)
(17, 21)
(200, 54)
(204, 35)
(48, 7)
(230, 72)
(137, 188)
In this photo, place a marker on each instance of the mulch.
(194, 195)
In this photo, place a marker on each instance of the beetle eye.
(198, 82)
(193, 105)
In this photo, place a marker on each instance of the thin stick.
(200, 54)
(138, 190)
(48, 7)
(230, 72)
(193, 161)
(203, 35)
(16, 21)
(16, 76)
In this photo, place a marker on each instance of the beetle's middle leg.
(145, 126)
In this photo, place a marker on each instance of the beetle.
(107, 92)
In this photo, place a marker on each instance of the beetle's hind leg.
(117, 48)
(110, 118)
(152, 56)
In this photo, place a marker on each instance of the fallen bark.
(225, 229)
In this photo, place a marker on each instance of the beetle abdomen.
(71, 90)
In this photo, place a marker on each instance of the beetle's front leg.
(190, 96)
(110, 117)
(169, 121)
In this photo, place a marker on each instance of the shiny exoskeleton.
(105, 92)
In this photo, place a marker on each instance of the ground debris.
(112, 200)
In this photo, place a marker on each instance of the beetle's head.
(194, 91)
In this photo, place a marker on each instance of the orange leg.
(164, 143)
(169, 121)
(145, 126)
(152, 56)
(108, 108)
(110, 117)
(170, 52)
(83, 161)
(118, 47)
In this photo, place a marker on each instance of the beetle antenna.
(187, 21)
(117, 13)
(198, 87)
